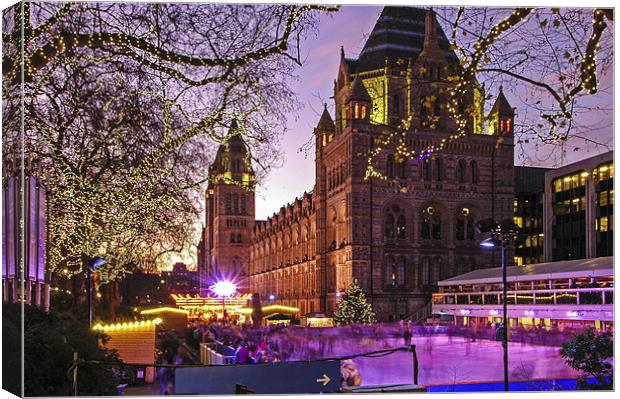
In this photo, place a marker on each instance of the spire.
(358, 91)
(341, 51)
(502, 106)
(431, 44)
(326, 123)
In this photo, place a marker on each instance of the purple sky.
(349, 28)
(314, 87)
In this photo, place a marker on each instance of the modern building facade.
(528, 214)
(578, 209)
(397, 236)
(31, 257)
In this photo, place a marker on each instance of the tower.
(501, 116)
(229, 214)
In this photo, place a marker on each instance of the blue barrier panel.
(272, 378)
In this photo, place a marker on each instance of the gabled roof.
(398, 34)
(603, 266)
(326, 123)
(502, 106)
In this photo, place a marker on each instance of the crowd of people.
(276, 343)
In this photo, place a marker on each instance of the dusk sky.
(349, 28)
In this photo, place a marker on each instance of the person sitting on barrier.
(243, 354)
(350, 375)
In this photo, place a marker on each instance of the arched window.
(400, 272)
(436, 226)
(460, 171)
(228, 203)
(395, 223)
(402, 169)
(426, 227)
(236, 203)
(232, 238)
(474, 172)
(401, 226)
(391, 276)
(438, 169)
(389, 225)
(425, 271)
(239, 238)
(243, 203)
(431, 223)
(390, 166)
(436, 114)
(460, 228)
(426, 169)
(436, 270)
(396, 105)
(424, 112)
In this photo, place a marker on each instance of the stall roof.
(317, 315)
(595, 267)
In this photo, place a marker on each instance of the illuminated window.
(502, 126)
(603, 224)
(518, 221)
(357, 111)
(363, 112)
(508, 123)
(602, 200)
(518, 260)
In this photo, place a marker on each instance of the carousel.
(204, 308)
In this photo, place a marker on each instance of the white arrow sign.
(325, 380)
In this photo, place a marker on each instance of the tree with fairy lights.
(123, 104)
(557, 61)
(353, 307)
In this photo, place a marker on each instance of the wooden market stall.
(135, 343)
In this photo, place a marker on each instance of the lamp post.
(93, 265)
(501, 234)
(224, 289)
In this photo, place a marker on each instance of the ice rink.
(445, 361)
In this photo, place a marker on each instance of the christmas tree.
(353, 307)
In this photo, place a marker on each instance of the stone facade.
(396, 236)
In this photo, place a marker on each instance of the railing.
(575, 296)
(422, 313)
(209, 356)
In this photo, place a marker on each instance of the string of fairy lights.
(464, 85)
(119, 220)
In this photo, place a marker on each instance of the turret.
(325, 129)
(232, 162)
(501, 116)
(358, 102)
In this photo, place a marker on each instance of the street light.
(224, 289)
(94, 264)
(501, 234)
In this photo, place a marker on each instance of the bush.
(49, 342)
(588, 352)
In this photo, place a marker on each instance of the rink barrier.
(209, 356)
